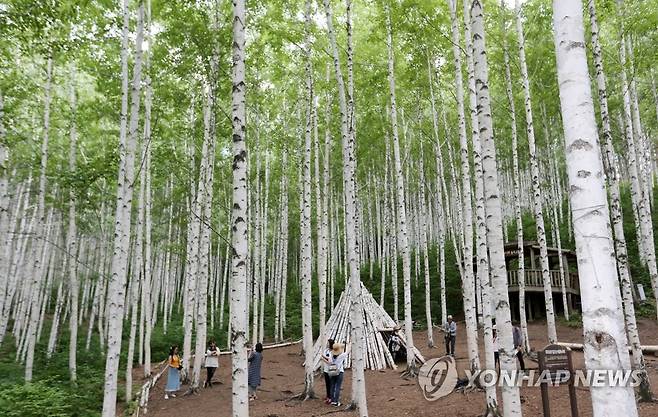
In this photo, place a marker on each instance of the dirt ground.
(388, 394)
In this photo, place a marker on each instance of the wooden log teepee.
(378, 327)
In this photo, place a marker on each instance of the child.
(255, 360)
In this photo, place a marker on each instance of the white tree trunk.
(71, 239)
(205, 187)
(516, 174)
(305, 225)
(605, 345)
(119, 268)
(426, 263)
(500, 296)
(612, 174)
(536, 189)
(38, 244)
(468, 278)
(352, 250)
(402, 237)
(5, 237)
(638, 196)
(239, 238)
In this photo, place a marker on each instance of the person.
(495, 346)
(173, 374)
(394, 346)
(326, 358)
(338, 358)
(450, 336)
(518, 345)
(211, 363)
(255, 360)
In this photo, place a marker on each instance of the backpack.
(332, 370)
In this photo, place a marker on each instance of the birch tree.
(352, 250)
(402, 237)
(305, 226)
(605, 344)
(612, 174)
(500, 296)
(239, 236)
(468, 278)
(119, 265)
(516, 175)
(38, 245)
(536, 188)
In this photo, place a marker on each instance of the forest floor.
(388, 394)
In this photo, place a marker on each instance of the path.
(388, 394)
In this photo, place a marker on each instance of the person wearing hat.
(336, 370)
(326, 358)
(450, 329)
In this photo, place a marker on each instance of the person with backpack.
(211, 363)
(255, 360)
(326, 358)
(336, 370)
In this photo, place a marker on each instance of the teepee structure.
(378, 326)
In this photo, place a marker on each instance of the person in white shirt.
(336, 370)
(211, 363)
(326, 359)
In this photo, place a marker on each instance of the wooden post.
(573, 401)
(544, 388)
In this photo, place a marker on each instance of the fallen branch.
(143, 395)
(579, 346)
(276, 345)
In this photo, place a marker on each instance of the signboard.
(556, 361)
(640, 291)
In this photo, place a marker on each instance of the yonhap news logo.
(437, 377)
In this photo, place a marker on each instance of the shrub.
(42, 398)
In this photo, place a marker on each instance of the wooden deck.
(534, 282)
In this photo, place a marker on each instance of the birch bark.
(516, 174)
(536, 187)
(612, 174)
(500, 297)
(468, 278)
(119, 265)
(402, 237)
(71, 239)
(305, 226)
(239, 238)
(605, 345)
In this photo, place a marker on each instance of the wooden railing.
(533, 278)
